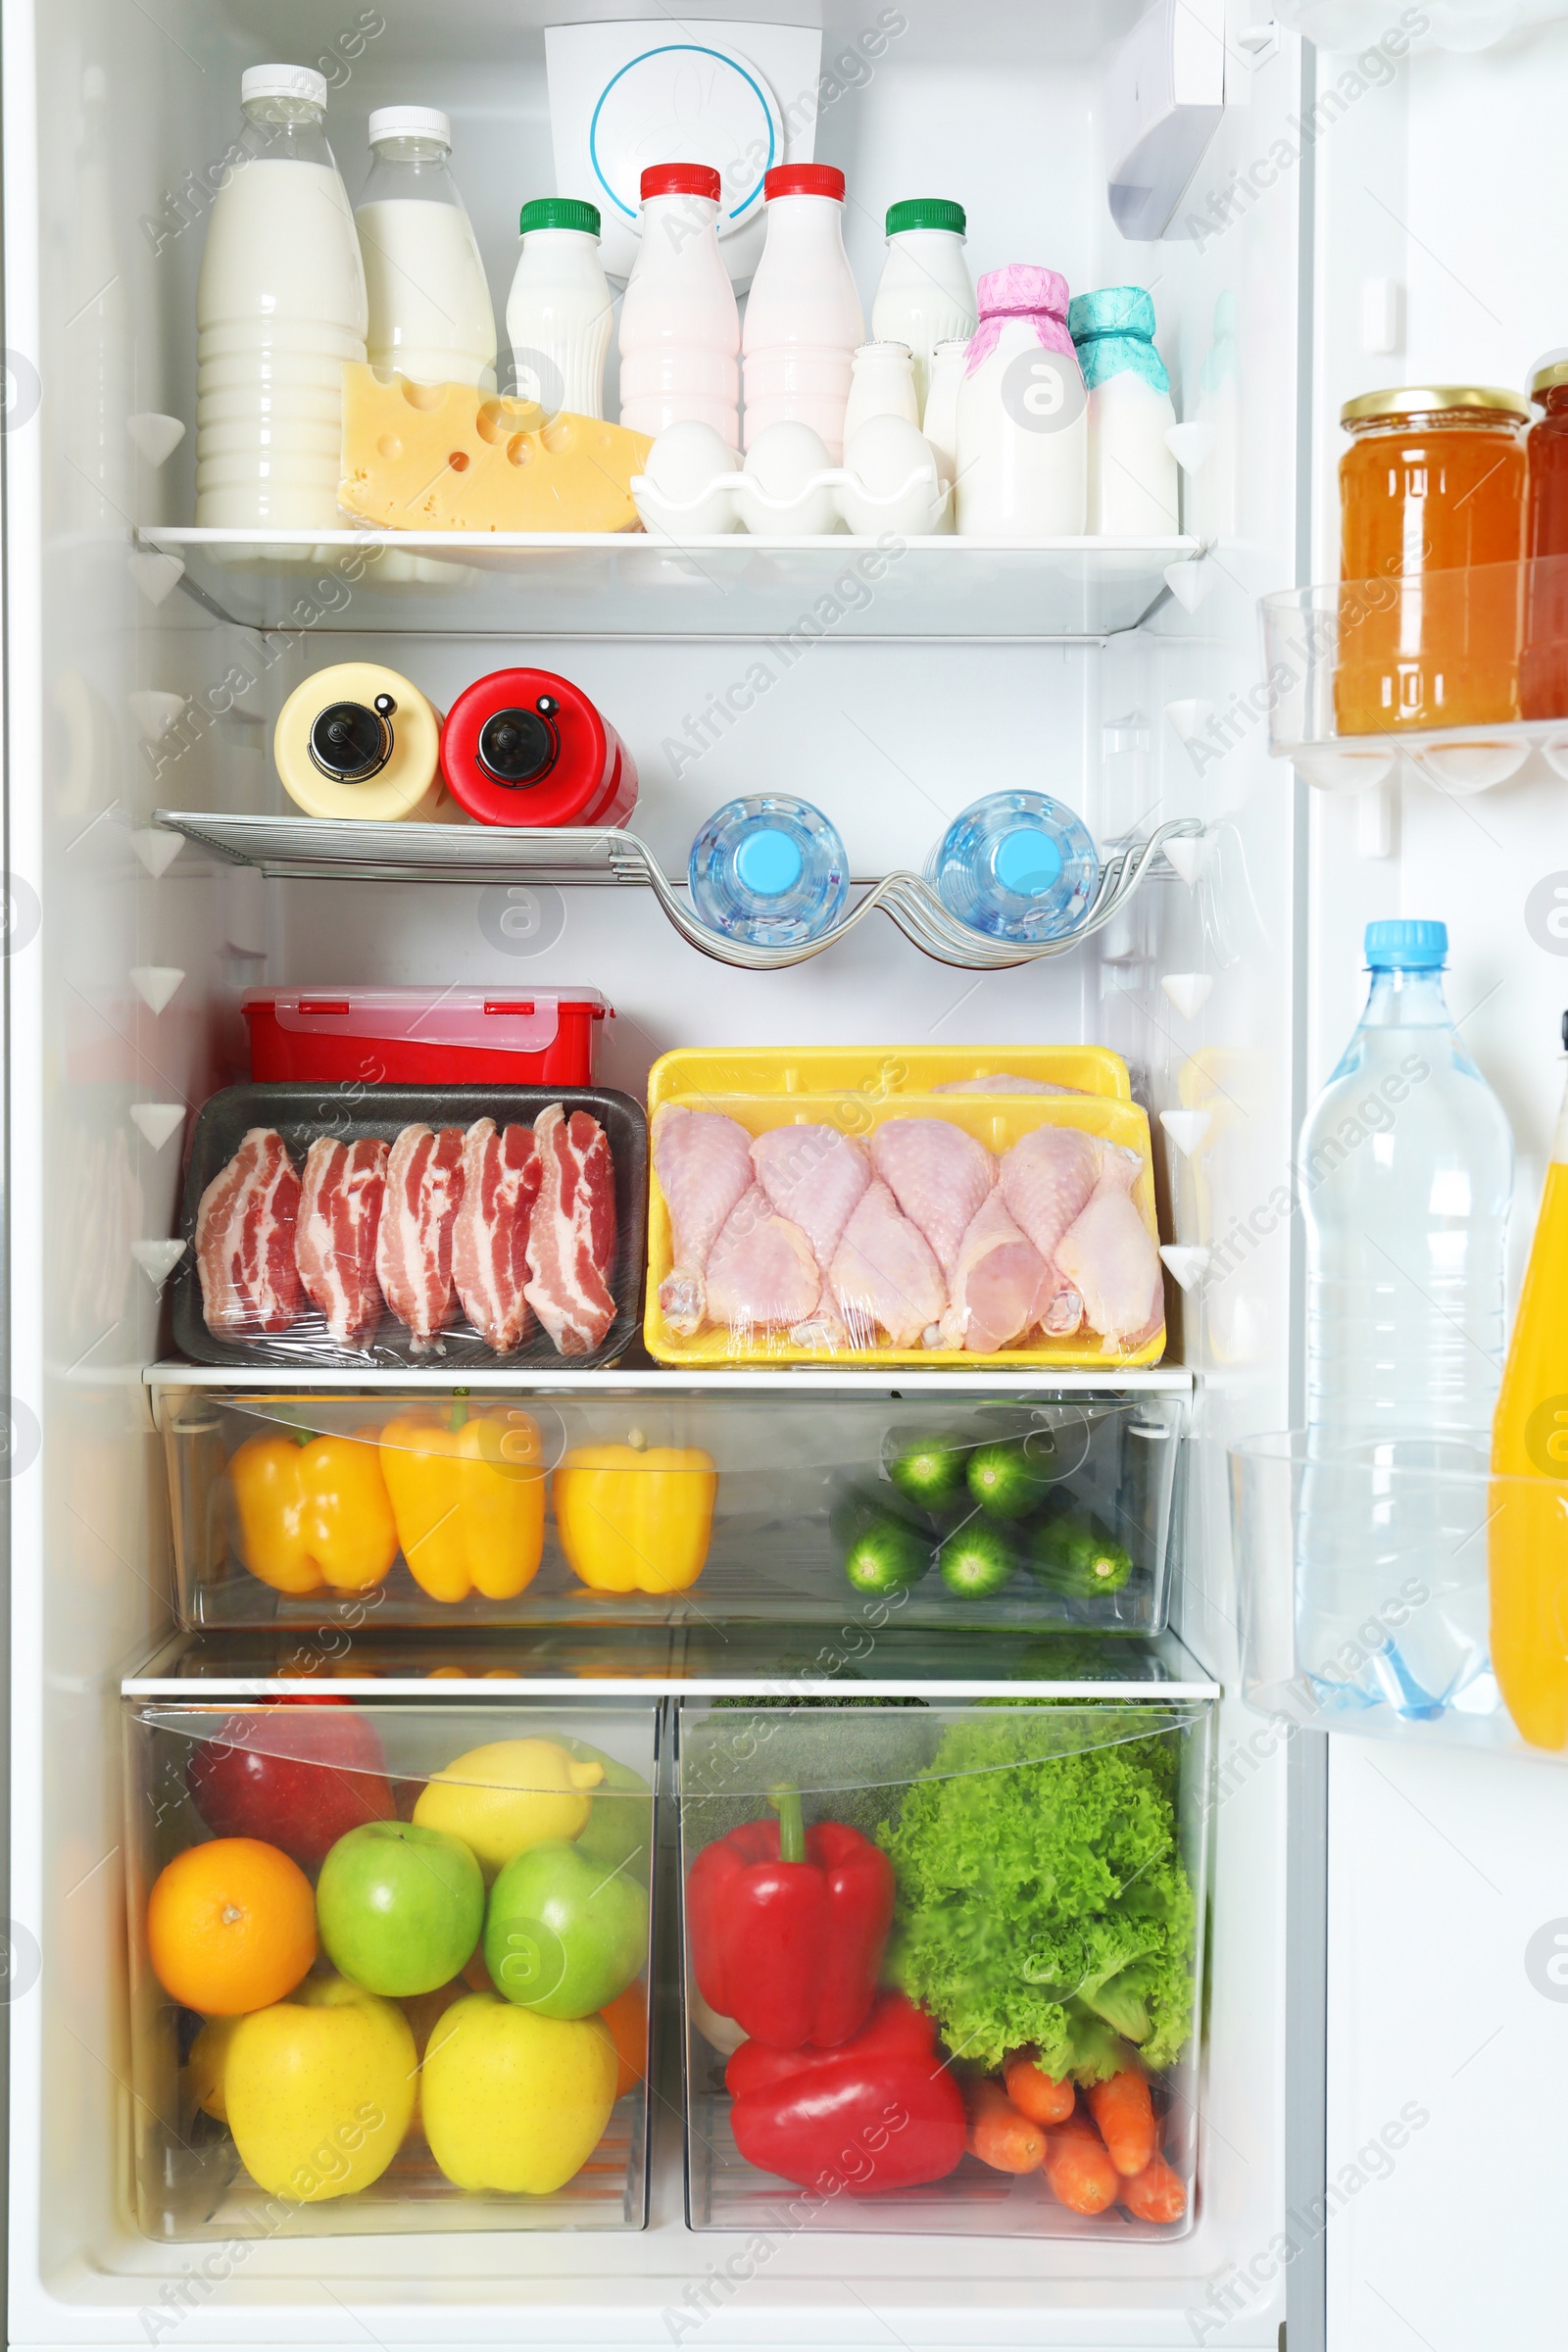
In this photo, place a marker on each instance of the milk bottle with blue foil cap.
(1131, 473)
(1022, 428)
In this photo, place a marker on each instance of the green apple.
(318, 2089)
(620, 1830)
(399, 1907)
(563, 1935)
(514, 2101)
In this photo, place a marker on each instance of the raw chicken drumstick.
(704, 1165)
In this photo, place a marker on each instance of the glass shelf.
(624, 584)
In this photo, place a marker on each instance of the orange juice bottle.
(1526, 1529)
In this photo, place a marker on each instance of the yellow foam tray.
(995, 1120)
(877, 1071)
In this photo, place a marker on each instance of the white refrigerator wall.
(107, 112)
(1448, 1882)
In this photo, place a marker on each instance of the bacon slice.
(572, 1239)
(501, 1180)
(414, 1245)
(245, 1239)
(334, 1240)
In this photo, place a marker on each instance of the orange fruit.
(627, 2015)
(232, 1927)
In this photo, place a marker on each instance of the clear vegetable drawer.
(388, 1966)
(942, 1965)
(367, 1511)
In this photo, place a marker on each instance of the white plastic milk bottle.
(925, 297)
(280, 307)
(882, 384)
(802, 317)
(680, 330)
(1023, 426)
(558, 314)
(430, 313)
(1132, 474)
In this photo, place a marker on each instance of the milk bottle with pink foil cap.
(1023, 422)
(803, 323)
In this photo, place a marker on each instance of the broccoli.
(1041, 1896)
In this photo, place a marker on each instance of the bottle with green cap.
(1131, 472)
(558, 314)
(925, 295)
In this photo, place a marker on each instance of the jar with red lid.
(1432, 497)
(524, 747)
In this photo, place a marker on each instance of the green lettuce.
(1041, 1898)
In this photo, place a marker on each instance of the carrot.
(1125, 2115)
(998, 2135)
(1033, 2092)
(1081, 2174)
(1155, 2194)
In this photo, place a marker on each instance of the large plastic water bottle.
(768, 870)
(1017, 866)
(281, 304)
(1405, 1174)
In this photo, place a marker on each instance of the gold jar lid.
(1547, 377)
(1428, 400)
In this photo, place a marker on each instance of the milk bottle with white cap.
(430, 313)
(281, 304)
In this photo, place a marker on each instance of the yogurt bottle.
(430, 314)
(802, 317)
(881, 384)
(1131, 473)
(939, 421)
(1023, 422)
(281, 304)
(679, 325)
(924, 296)
(559, 314)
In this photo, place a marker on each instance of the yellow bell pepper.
(315, 1514)
(636, 1519)
(469, 1496)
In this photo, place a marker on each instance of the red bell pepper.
(786, 1927)
(878, 2112)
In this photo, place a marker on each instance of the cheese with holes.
(445, 457)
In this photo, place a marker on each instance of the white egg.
(892, 482)
(685, 464)
(778, 500)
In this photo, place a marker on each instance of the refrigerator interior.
(107, 112)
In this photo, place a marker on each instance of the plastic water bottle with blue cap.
(768, 870)
(1405, 1175)
(1017, 866)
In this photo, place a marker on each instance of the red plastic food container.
(424, 1036)
(523, 747)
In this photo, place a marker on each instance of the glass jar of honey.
(1432, 505)
(1543, 657)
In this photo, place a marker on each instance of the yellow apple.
(503, 1798)
(319, 2090)
(204, 2068)
(513, 2101)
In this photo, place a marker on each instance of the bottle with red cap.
(680, 333)
(524, 747)
(802, 320)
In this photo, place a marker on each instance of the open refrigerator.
(1377, 203)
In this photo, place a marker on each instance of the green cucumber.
(930, 1471)
(1011, 1477)
(886, 1555)
(1071, 1553)
(977, 1561)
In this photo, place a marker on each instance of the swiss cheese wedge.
(445, 457)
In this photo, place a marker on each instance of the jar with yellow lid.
(1432, 506)
(1543, 657)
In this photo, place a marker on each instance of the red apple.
(331, 1779)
